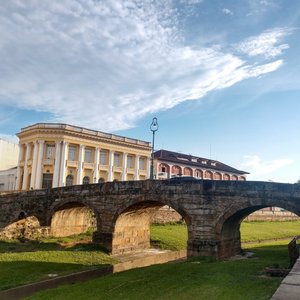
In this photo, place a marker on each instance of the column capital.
(40, 141)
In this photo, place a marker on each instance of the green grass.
(174, 236)
(199, 278)
(169, 236)
(256, 231)
(21, 263)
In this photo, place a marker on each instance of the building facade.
(53, 155)
(8, 179)
(168, 164)
(9, 153)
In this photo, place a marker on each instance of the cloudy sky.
(222, 77)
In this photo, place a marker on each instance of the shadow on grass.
(18, 273)
(34, 245)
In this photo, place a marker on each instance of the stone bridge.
(212, 210)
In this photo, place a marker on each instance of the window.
(142, 163)
(69, 180)
(88, 155)
(103, 158)
(117, 160)
(129, 162)
(86, 180)
(50, 151)
(72, 153)
(47, 181)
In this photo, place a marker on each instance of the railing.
(86, 131)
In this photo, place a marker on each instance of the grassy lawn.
(174, 237)
(21, 263)
(194, 279)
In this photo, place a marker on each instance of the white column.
(124, 166)
(80, 160)
(63, 163)
(96, 167)
(148, 166)
(110, 165)
(21, 156)
(170, 171)
(25, 174)
(39, 167)
(136, 167)
(57, 163)
(33, 165)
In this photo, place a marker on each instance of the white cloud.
(105, 64)
(267, 44)
(227, 11)
(264, 170)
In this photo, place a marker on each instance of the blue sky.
(222, 77)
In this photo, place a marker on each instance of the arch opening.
(72, 218)
(132, 226)
(229, 230)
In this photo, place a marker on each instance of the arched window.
(101, 180)
(188, 171)
(226, 177)
(234, 177)
(69, 180)
(208, 175)
(198, 173)
(217, 176)
(164, 168)
(86, 180)
(242, 178)
(176, 170)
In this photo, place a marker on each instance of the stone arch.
(187, 171)
(208, 175)
(71, 216)
(228, 225)
(131, 225)
(217, 176)
(242, 178)
(176, 170)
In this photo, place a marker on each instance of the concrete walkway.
(289, 288)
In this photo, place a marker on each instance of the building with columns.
(168, 164)
(53, 155)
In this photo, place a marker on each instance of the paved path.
(289, 288)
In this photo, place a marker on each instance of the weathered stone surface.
(212, 210)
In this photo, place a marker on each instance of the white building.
(9, 153)
(54, 155)
(8, 179)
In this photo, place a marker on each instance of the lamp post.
(153, 128)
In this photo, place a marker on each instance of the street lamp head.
(154, 125)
